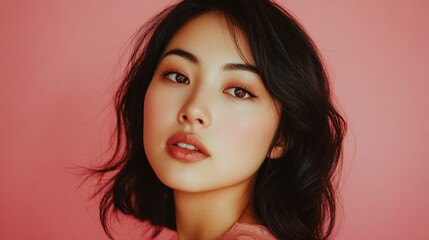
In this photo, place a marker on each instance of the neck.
(209, 215)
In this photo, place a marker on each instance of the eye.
(176, 77)
(239, 92)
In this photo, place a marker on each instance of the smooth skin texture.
(204, 87)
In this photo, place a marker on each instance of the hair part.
(294, 195)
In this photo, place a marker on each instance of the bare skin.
(210, 215)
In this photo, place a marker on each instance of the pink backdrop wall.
(60, 59)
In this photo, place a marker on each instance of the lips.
(186, 147)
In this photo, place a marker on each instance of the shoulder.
(243, 231)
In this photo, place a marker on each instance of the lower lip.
(185, 155)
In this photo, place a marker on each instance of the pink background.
(60, 60)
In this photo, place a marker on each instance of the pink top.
(243, 231)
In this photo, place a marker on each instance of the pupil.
(239, 93)
(180, 78)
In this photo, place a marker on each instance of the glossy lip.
(185, 154)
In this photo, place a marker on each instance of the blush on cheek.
(149, 114)
(153, 109)
(247, 134)
(155, 103)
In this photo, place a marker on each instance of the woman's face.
(208, 119)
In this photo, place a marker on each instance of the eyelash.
(246, 90)
(165, 74)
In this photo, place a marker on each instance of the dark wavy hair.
(295, 195)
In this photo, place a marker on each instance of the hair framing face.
(294, 194)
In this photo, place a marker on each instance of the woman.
(225, 127)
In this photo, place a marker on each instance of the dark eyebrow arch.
(240, 67)
(182, 53)
(227, 67)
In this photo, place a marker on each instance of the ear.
(278, 149)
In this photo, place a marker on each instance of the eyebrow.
(227, 67)
(181, 53)
(240, 67)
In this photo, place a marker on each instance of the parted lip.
(188, 138)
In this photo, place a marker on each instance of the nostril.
(185, 118)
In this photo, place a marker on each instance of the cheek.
(250, 136)
(151, 104)
(157, 105)
(156, 109)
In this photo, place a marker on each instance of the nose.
(195, 111)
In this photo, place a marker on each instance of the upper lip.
(188, 138)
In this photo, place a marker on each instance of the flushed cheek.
(248, 136)
(158, 115)
(160, 105)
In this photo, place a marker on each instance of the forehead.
(211, 34)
